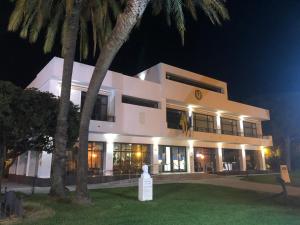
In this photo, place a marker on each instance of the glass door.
(172, 159)
(178, 159)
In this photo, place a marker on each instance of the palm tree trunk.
(59, 154)
(125, 23)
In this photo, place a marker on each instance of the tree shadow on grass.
(123, 193)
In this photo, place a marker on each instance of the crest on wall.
(198, 94)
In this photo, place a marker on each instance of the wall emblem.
(198, 94)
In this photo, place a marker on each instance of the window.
(194, 83)
(140, 101)
(95, 159)
(129, 158)
(250, 129)
(229, 126)
(231, 160)
(173, 118)
(100, 108)
(204, 123)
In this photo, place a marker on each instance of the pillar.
(109, 154)
(243, 158)
(241, 130)
(261, 159)
(219, 158)
(190, 157)
(28, 163)
(108, 162)
(218, 118)
(155, 163)
(44, 166)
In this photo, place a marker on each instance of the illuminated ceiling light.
(190, 108)
(155, 140)
(142, 75)
(191, 143)
(220, 144)
(110, 137)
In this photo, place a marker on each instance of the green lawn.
(271, 179)
(174, 204)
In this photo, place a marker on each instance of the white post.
(108, 163)
(242, 126)
(261, 159)
(218, 118)
(28, 163)
(243, 158)
(190, 157)
(219, 158)
(109, 154)
(44, 167)
(155, 149)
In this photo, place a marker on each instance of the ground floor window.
(95, 159)
(172, 159)
(205, 160)
(231, 160)
(251, 160)
(129, 158)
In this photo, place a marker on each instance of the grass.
(271, 178)
(174, 204)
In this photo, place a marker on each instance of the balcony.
(220, 131)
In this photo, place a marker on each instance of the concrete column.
(28, 163)
(261, 159)
(243, 158)
(108, 162)
(218, 120)
(219, 158)
(155, 149)
(241, 127)
(44, 167)
(190, 158)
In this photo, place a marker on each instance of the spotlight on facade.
(110, 137)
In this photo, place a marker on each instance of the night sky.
(256, 52)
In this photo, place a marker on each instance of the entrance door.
(178, 159)
(173, 159)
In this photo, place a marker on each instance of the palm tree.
(70, 17)
(132, 13)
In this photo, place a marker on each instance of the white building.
(136, 120)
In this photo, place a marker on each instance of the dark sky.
(256, 52)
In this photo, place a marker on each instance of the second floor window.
(173, 118)
(250, 129)
(100, 108)
(204, 123)
(229, 126)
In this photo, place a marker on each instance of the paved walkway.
(228, 181)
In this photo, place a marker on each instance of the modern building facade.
(139, 120)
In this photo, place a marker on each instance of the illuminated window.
(95, 154)
(129, 158)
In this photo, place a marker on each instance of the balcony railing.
(220, 131)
